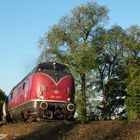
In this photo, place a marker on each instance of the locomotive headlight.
(71, 107)
(41, 97)
(42, 88)
(68, 99)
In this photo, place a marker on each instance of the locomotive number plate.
(56, 91)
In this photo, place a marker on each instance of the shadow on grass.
(56, 132)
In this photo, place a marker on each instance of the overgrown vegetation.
(2, 99)
(105, 62)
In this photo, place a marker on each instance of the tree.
(132, 51)
(70, 42)
(2, 99)
(2, 96)
(110, 73)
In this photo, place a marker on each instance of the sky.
(23, 22)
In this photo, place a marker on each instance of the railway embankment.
(64, 130)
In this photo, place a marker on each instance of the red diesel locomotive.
(46, 92)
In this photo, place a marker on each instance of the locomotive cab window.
(53, 68)
(23, 86)
(10, 96)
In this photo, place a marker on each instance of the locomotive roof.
(46, 63)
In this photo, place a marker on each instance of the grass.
(63, 130)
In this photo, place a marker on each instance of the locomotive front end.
(53, 88)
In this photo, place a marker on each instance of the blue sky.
(22, 22)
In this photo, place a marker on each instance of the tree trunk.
(105, 101)
(105, 107)
(83, 91)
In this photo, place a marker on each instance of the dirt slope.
(63, 130)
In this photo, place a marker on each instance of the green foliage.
(2, 99)
(80, 105)
(133, 97)
(2, 96)
(110, 72)
(133, 82)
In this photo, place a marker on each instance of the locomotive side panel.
(27, 89)
(19, 97)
